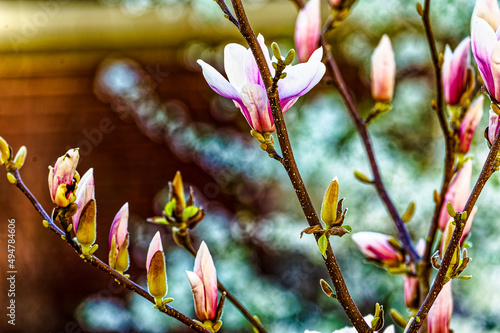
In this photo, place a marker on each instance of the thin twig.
(449, 159)
(94, 261)
(292, 170)
(227, 13)
(488, 169)
(365, 138)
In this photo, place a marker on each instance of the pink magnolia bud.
(62, 181)
(410, 288)
(383, 71)
(493, 127)
(204, 284)
(455, 70)
(156, 271)
(377, 247)
(335, 3)
(307, 30)
(489, 11)
(439, 316)
(118, 241)
(84, 193)
(469, 124)
(457, 194)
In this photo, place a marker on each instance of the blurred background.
(119, 79)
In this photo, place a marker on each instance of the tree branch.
(488, 169)
(96, 262)
(449, 159)
(293, 172)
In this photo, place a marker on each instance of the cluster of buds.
(11, 164)
(203, 280)
(180, 213)
(332, 215)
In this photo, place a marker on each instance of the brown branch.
(449, 160)
(488, 169)
(365, 138)
(292, 170)
(227, 13)
(94, 261)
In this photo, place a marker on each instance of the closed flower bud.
(62, 183)
(455, 69)
(439, 315)
(204, 285)
(84, 220)
(20, 157)
(329, 205)
(457, 194)
(307, 30)
(468, 226)
(469, 124)
(178, 194)
(377, 246)
(493, 127)
(4, 151)
(410, 288)
(383, 71)
(156, 271)
(489, 11)
(119, 240)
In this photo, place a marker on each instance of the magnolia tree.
(263, 85)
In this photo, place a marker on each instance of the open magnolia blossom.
(486, 51)
(489, 11)
(246, 87)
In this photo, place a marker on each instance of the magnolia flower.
(246, 88)
(455, 70)
(383, 71)
(469, 123)
(155, 268)
(307, 30)
(486, 51)
(439, 315)
(204, 284)
(62, 181)
(489, 11)
(457, 194)
(118, 241)
(493, 127)
(377, 247)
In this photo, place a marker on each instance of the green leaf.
(347, 227)
(189, 212)
(169, 207)
(323, 244)
(362, 177)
